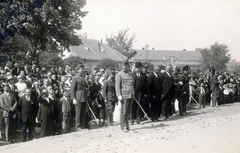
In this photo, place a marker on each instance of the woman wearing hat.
(68, 82)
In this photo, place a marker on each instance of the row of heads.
(139, 64)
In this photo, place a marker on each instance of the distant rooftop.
(95, 50)
(166, 54)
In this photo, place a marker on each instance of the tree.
(72, 61)
(50, 59)
(121, 42)
(31, 26)
(236, 68)
(216, 56)
(107, 64)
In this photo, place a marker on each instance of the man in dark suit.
(141, 91)
(155, 91)
(168, 91)
(28, 109)
(79, 96)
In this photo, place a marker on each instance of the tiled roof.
(90, 50)
(165, 54)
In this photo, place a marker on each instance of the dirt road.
(207, 130)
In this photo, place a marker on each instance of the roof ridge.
(115, 52)
(92, 49)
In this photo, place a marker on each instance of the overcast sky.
(167, 24)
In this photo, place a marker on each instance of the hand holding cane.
(145, 114)
(92, 113)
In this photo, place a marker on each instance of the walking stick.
(92, 113)
(141, 108)
(194, 99)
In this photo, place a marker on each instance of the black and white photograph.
(119, 76)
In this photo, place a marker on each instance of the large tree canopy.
(216, 56)
(121, 42)
(31, 26)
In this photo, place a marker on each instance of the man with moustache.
(125, 93)
(155, 91)
(168, 91)
(79, 91)
(141, 91)
(28, 109)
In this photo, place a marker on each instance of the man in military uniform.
(125, 93)
(79, 96)
(185, 80)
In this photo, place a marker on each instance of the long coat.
(155, 85)
(28, 109)
(46, 116)
(140, 83)
(167, 85)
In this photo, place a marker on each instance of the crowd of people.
(61, 100)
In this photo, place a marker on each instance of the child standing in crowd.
(202, 91)
(66, 111)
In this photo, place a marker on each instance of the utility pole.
(146, 52)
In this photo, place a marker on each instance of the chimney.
(143, 48)
(153, 48)
(184, 50)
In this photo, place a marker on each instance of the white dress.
(21, 88)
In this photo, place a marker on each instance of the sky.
(167, 24)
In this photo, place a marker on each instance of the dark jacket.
(155, 85)
(140, 83)
(185, 80)
(28, 109)
(109, 92)
(45, 109)
(167, 85)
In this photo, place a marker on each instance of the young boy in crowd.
(201, 91)
(66, 111)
